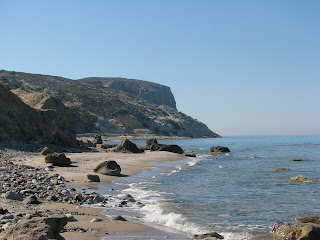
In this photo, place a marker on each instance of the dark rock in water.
(208, 236)
(311, 219)
(13, 196)
(126, 146)
(45, 151)
(97, 139)
(283, 169)
(293, 231)
(153, 145)
(58, 159)
(91, 178)
(128, 197)
(37, 228)
(31, 200)
(191, 154)
(108, 168)
(219, 149)
(296, 159)
(119, 218)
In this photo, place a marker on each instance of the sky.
(241, 67)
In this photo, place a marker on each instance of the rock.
(296, 159)
(13, 196)
(52, 198)
(58, 159)
(49, 168)
(208, 236)
(71, 218)
(91, 178)
(219, 149)
(108, 168)
(126, 146)
(191, 154)
(153, 145)
(97, 199)
(128, 197)
(5, 226)
(97, 139)
(293, 231)
(299, 179)
(283, 169)
(7, 216)
(37, 228)
(311, 219)
(28, 216)
(119, 218)
(31, 200)
(3, 211)
(45, 151)
(96, 220)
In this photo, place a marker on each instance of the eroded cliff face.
(152, 92)
(49, 123)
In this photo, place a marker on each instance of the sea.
(239, 194)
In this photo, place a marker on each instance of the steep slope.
(19, 121)
(152, 92)
(98, 108)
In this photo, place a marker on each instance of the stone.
(299, 178)
(119, 218)
(5, 226)
(296, 159)
(49, 168)
(3, 211)
(126, 146)
(97, 199)
(37, 228)
(58, 159)
(91, 178)
(7, 216)
(96, 220)
(191, 154)
(97, 139)
(28, 216)
(45, 151)
(219, 149)
(153, 145)
(71, 218)
(310, 219)
(52, 198)
(108, 168)
(283, 169)
(208, 236)
(293, 231)
(13, 196)
(128, 197)
(31, 200)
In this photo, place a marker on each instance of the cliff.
(19, 121)
(99, 106)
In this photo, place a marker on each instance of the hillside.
(111, 105)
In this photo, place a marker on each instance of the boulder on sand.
(58, 159)
(126, 146)
(153, 145)
(108, 168)
(45, 151)
(97, 139)
(37, 228)
(91, 178)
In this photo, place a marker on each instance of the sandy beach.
(83, 164)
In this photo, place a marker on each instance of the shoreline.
(82, 164)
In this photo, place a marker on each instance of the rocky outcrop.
(37, 228)
(108, 168)
(297, 231)
(100, 107)
(126, 146)
(19, 121)
(152, 92)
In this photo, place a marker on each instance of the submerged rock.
(296, 159)
(219, 149)
(299, 178)
(283, 169)
(208, 236)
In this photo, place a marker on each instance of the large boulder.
(91, 178)
(219, 149)
(153, 145)
(97, 139)
(293, 231)
(126, 146)
(37, 228)
(58, 159)
(108, 168)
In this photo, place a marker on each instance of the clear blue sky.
(241, 67)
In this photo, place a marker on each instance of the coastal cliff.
(112, 106)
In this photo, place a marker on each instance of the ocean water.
(239, 196)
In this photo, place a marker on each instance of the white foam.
(194, 162)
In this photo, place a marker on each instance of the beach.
(83, 164)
